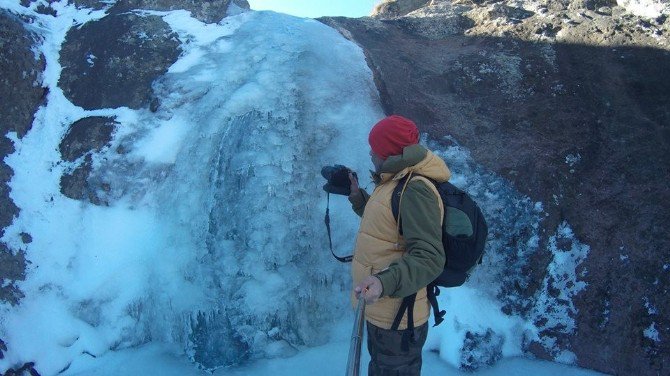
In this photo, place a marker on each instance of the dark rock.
(590, 4)
(573, 123)
(8, 209)
(92, 4)
(20, 76)
(77, 185)
(26, 238)
(430, 29)
(21, 93)
(12, 269)
(481, 350)
(112, 62)
(154, 105)
(27, 368)
(86, 135)
(46, 9)
(206, 11)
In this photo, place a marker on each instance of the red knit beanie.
(391, 134)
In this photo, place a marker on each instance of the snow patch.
(652, 333)
(573, 159)
(651, 309)
(645, 8)
(90, 59)
(554, 311)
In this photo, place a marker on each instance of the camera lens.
(338, 180)
(327, 172)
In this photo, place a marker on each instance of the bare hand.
(370, 289)
(355, 190)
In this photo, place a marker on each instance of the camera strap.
(330, 240)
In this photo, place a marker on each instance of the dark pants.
(387, 355)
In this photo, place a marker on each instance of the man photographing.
(395, 259)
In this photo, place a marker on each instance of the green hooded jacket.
(424, 255)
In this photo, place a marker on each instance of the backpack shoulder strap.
(400, 190)
(433, 186)
(407, 305)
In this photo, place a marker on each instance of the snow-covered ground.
(212, 253)
(645, 8)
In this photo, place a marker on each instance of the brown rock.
(397, 8)
(86, 135)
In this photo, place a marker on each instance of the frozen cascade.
(265, 110)
(215, 224)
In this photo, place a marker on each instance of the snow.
(651, 309)
(162, 144)
(212, 255)
(572, 159)
(90, 59)
(163, 360)
(652, 333)
(645, 8)
(555, 312)
(480, 314)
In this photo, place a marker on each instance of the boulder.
(85, 137)
(112, 62)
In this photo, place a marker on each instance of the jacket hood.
(416, 159)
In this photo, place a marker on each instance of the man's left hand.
(370, 289)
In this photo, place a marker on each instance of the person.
(388, 265)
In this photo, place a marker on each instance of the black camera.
(338, 179)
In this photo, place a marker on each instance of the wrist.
(381, 284)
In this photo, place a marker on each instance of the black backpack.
(464, 233)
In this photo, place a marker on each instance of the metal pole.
(354, 362)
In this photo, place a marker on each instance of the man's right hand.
(355, 190)
(369, 289)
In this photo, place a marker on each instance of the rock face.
(112, 62)
(85, 137)
(570, 101)
(398, 8)
(21, 92)
(206, 11)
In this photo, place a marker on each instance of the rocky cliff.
(570, 101)
(21, 93)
